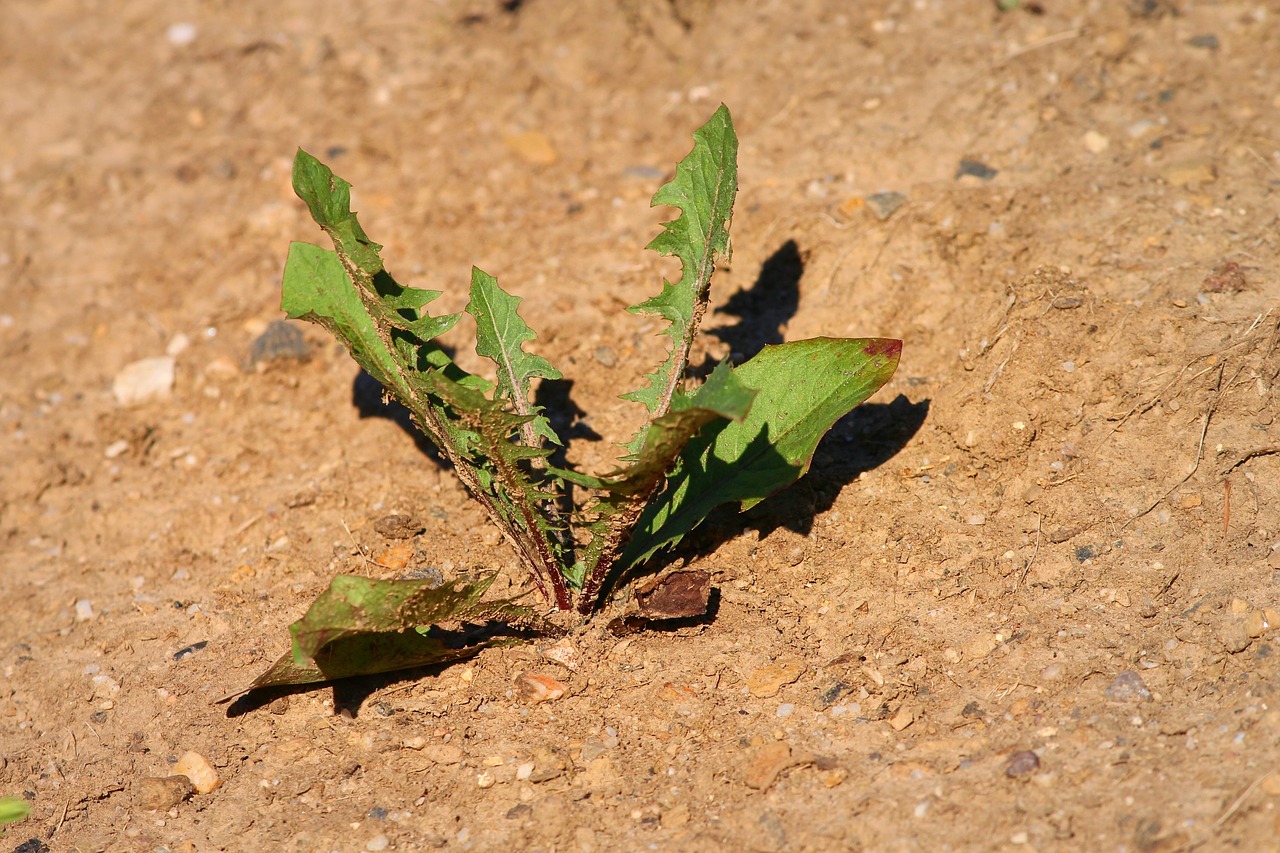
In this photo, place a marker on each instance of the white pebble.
(1052, 672)
(181, 35)
(84, 610)
(977, 519)
(1069, 366)
(178, 344)
(144, 380)
(378, 842)
(1095, 143)
(786, 709)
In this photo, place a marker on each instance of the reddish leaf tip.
(883, 346)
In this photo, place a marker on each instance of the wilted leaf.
(361, 626)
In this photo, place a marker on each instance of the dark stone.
(1022, 763)
(977, 169)
(281, 340)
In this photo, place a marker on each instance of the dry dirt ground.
(1021, 602)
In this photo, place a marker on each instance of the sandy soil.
(1021, 603)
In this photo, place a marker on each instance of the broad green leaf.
(703, 188)
(500, 336)
(13, 809)
(316, 289)
(361, 626)
(804, 388)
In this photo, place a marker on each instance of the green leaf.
(361, 626)
(13, 809)
(804, 388)
(357, 605)
(500, 336)
(703, 188)
(722, 396)
(388, 332)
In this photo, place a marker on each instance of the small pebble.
(885, 204)
(197, 768)
(84, 610)
(535, 687)
(786, 709)
(975, 169)
(32, 845)
(280, 340)
(563, 652)
(1095, 143)
(606, 356)
(181, 34)
(764, 765)
(647, 173)
(116, 449)
(188, 651)
(397, 526)
(426, 573)
(1205, 41)
(161, 793)
(1235, 637)
(1256, 623)
(766, 681)
(147, 379)
(378, 842)
(1022, 763)
(486, 779)
(178, 344)
(1128, 686)
(903, 719)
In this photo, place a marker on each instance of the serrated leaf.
(362, 626)
(316, 288)
(387, 330)
(704, 187)
(500, 337)
(804, 388)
